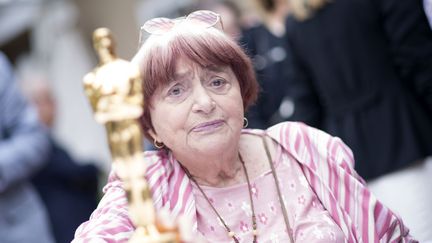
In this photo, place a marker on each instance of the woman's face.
(201, 110)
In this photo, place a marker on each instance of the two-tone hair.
(158, 56)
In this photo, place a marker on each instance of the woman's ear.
(156, 141)
(153, 135)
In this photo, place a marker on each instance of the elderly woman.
(289, 183)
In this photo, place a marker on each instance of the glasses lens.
(158, 26)
(204, 18)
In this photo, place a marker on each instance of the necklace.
(254, 225)
(228, 229)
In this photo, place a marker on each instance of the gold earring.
(245, 122)
(157, 144)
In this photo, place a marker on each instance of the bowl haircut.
(206, 47)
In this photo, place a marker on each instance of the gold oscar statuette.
(114, 90)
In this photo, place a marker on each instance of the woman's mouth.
(208, 126)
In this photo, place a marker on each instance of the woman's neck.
(221, 170)
(224, 168)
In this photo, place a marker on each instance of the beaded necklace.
(254, 224)
(228, 229)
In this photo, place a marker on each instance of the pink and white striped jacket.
(326, 162)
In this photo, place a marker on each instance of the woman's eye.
(217, 82)
(175, 91)
(219, 85)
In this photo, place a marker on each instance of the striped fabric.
(326, 162)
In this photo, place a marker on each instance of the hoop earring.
(158, 145)
(245, 122)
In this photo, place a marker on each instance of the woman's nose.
(203, 101)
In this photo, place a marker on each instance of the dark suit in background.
(69, 191)
(271, 56)
(364, 73)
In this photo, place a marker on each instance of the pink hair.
(204, 46)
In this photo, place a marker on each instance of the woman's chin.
(212, 144)
(216, 141)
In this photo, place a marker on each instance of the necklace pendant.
(230, 234)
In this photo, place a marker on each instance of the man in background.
(23, 147)
(68, 188)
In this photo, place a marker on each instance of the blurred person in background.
(363, 72)
(229, 11)
(68, 188)
(268, 47)
(23, 149)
